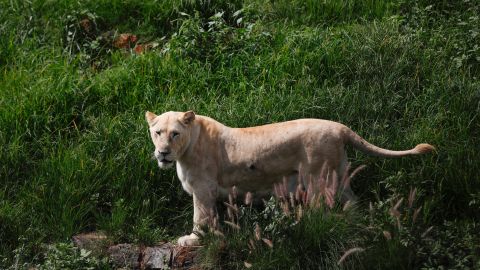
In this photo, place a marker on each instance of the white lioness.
(211, 157)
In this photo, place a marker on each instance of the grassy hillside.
(75, 153)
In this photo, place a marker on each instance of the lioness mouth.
(166, 161)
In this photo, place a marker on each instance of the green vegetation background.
(75, 154)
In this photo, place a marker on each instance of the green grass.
(76, 155)
(329, 12)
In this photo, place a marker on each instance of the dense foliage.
(75, 154)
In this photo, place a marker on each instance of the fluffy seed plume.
(347, 205)
(329, 198)
(233, 225)
(415, 214)
(312, 201)
(394, 213)
(348, 253)
(285, 208)
(233, 207)
(230, 198)
(387, 235)
(427, 231)
(299, 193)
(268, 242)
(251, 244)
(299, 212)
(258, 232)
(334, 183)
(278, 191)
(285, 187)
(234, 192)
(218, 233)
(309, 192)
(292, 200)
(248, 198)
(394, 210)
(411, 197)
(230, 213)
(346, 181)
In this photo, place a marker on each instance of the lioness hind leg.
(329, 164)
(344, 188)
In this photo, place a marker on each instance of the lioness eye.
(175, 134)
(158, 132)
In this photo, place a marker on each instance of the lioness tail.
(361, 144)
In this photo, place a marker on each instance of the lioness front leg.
(203, 210)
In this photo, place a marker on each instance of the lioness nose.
(164, 153)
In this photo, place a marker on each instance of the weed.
(66, 256)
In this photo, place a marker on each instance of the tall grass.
(75, 154)
(329, 12)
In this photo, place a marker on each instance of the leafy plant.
(210, 37)
(66, 256)
(60, 256)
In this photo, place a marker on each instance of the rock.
(125, 256)
(157, 257)
(129, 256)
(96, 242)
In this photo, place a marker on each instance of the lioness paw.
(189, 240)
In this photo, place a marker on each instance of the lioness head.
(170, 134)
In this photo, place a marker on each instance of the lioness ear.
(187, 117)
(149, 116)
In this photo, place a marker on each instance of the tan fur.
(211, 157)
